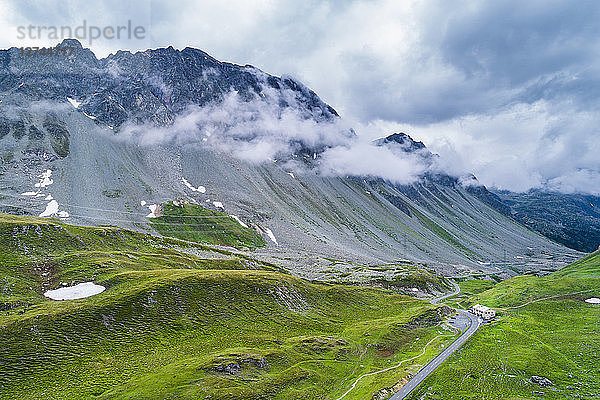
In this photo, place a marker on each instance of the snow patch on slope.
(200, 189)
(51, 209)
(239, 220)
(271, 236)
(155, 211)
(79, 291)
(74, 102)
(45, 179)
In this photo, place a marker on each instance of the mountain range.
(572, 219)
(108, 141)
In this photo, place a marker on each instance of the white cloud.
(540, 145)
(362, 158)
(583, 180)
(260, 131)
(253, 130)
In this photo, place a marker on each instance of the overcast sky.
(506, 89)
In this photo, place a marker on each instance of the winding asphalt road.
(474, 323)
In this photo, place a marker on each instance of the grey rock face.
(153, 85)
(543, 382)
(406, 143)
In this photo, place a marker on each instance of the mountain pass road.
(474, 324)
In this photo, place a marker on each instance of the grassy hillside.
(38, 254)
(545, 329)
(198, 224)
(184, 321)
(588, 266)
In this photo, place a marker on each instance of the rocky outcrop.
(235, 363)
(540, 380)
(429, 318)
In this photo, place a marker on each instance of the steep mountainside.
(570, 219)
(84, 140)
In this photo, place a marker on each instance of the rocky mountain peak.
(149, 86)
(71, 43)
(406, 143)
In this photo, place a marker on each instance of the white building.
(483, 311)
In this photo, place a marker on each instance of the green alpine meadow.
(183, 320)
